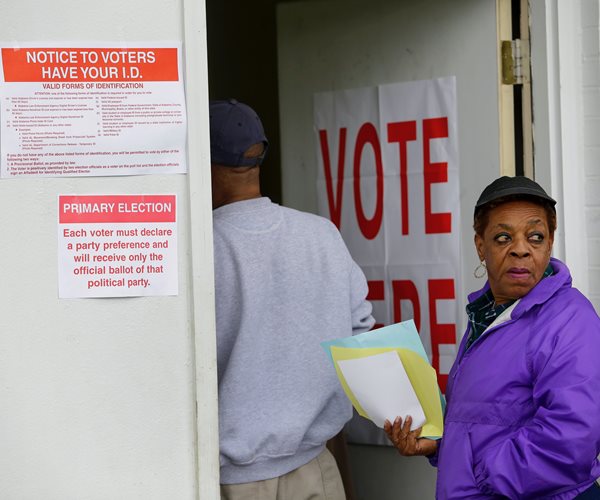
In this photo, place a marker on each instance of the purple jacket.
(523, 414)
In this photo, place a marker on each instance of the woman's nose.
(520, 248)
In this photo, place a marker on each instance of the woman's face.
(516, 247)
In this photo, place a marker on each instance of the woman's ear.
(479, 246)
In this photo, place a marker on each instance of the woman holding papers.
(523, 413)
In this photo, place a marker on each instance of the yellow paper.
(420, 373)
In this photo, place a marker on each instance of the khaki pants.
(319, 479)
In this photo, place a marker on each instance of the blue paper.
(404, 335)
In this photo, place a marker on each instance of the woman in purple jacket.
(523, 413)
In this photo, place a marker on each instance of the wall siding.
(590, 65)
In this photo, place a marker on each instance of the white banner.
(388, 177)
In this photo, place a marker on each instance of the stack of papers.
(386, 373)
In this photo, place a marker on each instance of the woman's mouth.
(518, 272)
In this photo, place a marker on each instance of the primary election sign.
(117, 245)
(91, 110)
(388, 177)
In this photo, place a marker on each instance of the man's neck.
(235, 197)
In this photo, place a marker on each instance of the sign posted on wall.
(117, 245)
(389, 179)
(91, 110)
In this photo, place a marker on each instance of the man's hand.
(406, 441)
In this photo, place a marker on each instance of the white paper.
(91, 109)
(382, 387)
(117, 245)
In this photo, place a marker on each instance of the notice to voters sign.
(388, 177)
(91, 110)
(117, 245)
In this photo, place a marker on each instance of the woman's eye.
(536, 237)
(502, 238)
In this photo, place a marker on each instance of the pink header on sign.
(116, 208)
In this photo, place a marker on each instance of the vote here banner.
(388, 177)
(117, 245)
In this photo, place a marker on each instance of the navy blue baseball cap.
(234, 127)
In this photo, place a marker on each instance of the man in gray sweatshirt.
(284, 282)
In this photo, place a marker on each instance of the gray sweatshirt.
(284, 282)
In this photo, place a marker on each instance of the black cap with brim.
(511, 186)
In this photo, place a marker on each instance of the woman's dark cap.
(234, 128)
(510, 186)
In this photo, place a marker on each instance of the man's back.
(284, 283)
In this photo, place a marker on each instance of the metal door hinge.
(515, 62)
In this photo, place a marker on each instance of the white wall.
(98, 396)
(566, 107)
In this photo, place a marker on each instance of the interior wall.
(324, 47)
(242, 63)
(380, 473)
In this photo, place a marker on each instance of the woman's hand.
(406, 441)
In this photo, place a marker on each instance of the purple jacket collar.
(539, 294)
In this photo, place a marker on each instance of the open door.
(333, 46)
(515, 96)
